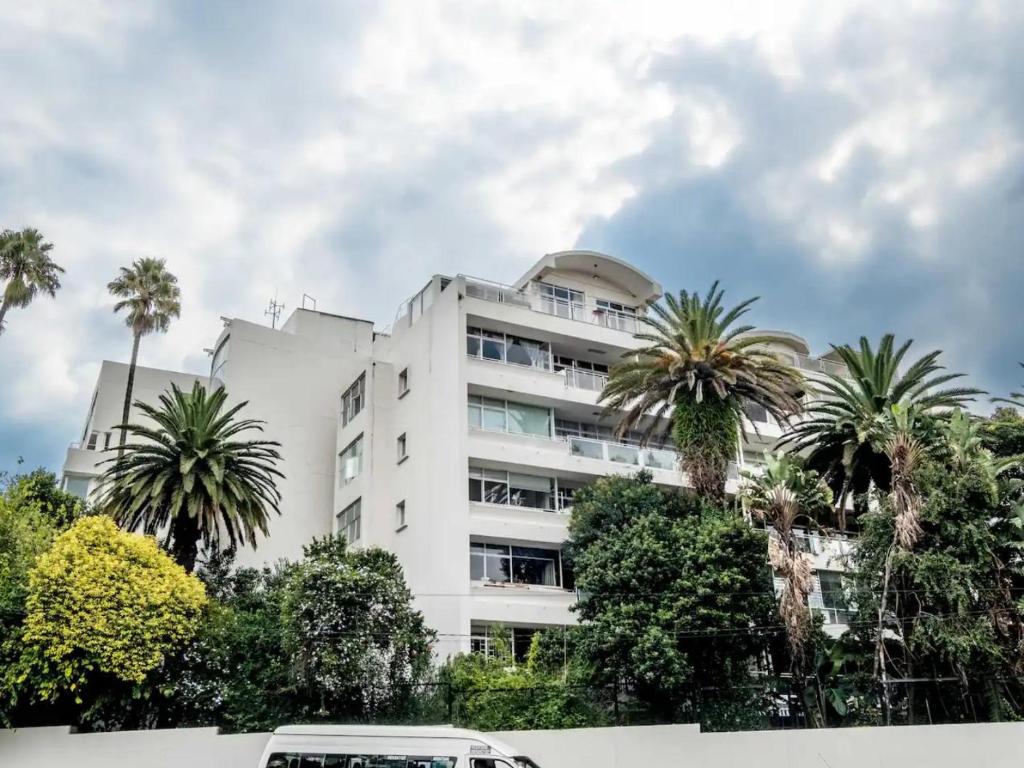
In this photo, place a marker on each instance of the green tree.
(700, 370)
(846, 428)
(358, 648)
(42, 488)
(670, 591)
(940, 603)
(26, 268)
(192, 476)
(151, 297)
(104, 607)
(26, 531)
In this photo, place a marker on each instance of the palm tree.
(783, 496)
(1015, 399)
(151, 296)
(26, 265)
(190, 476)
(701, 372)
(848, 425)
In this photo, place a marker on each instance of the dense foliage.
(670, 588)
(102, 605)
(357, 645)
(954, 617)
(492, 692)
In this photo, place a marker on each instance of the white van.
(387, 746)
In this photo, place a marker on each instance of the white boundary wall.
(665, 746)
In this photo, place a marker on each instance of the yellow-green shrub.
(103, 600)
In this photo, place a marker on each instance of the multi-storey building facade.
(458, 439)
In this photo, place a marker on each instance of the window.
(402, 448)
(219, 364)
(492, 640)
(335, 760)
(830, 599)
(400, 514)
(582, 374)
(78, 486)
(495, 486)
(564, 302)
(350, 462)
(350, 521)
(506, 564)
(611, 314)
(93, 438)
(403, 382)
(502, 416)
(501, 347)
(353, 399)
(106, 440)
(756, 412)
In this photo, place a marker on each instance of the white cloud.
(330, 151)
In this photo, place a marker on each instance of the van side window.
(334, 760)
(489, 762)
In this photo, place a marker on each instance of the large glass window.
(612, 314)
(490, 639)
(350, 462)
(507, 564)
(529, 420)
(496, 486)
(502, 416)
(834, 604)
(353, 399)
(501, 347)
(350, 521)
(564, 302)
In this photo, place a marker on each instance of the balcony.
(622, 453)
(586, 311)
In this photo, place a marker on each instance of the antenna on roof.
(273, 311)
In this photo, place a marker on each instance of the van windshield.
(524, 762)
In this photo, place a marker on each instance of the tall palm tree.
(701, 371)
(151, 297)
(784, 496)
(27, 268)
(191, 476)
(849, 423)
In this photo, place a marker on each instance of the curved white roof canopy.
(599, 265)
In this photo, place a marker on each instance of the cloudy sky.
(859, 166)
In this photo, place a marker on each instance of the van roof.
(401, 731)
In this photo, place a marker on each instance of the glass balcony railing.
(622, 453)
(580, 379)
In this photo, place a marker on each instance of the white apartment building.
(457, 440)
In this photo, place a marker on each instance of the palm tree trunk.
(185, 540)
(881, 674)
(128, 392)
(3, 311)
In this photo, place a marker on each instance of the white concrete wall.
(997, 745)
(107, 403)
(293, 378)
